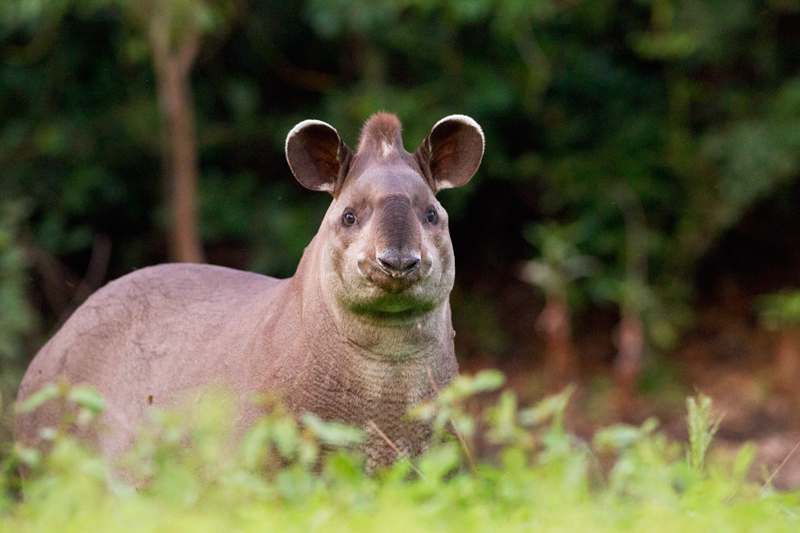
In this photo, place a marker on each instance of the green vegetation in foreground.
(541, 478)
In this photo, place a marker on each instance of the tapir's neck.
(363, 344)
(364, 372)
(393, 339)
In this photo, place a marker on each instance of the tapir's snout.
(396, 242)
(398, 263)
(395, 281)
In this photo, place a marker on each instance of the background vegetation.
(639, 188)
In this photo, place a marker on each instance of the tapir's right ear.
(317, 156)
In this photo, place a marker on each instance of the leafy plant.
(541, 476)
(17, 316)
(560, 265)
(780, 312)
(702, 424)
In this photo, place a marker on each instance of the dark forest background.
(633, 227)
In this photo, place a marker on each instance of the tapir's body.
(360, 333)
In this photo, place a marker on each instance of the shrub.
(541, 478)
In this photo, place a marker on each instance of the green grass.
(540, 479)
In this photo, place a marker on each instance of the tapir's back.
(152, 333)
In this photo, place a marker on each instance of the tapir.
(359, 334)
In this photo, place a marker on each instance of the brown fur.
(349, 337)
(380, 128)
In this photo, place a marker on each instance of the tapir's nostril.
(398, 263)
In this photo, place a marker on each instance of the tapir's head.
(385, 240)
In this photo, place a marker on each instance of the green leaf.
(255, 444)
(744, 459)
(617, 437)
(702, 425)
(485, 380)
(664, 46)
(333, 433)
(28, 456)
(550, 407)
(38, 398)
(440, 461)
(87, 397)
(284, 435)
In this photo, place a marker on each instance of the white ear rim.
(442, 185)
(301, 125)
(469, 121)
(304, 124)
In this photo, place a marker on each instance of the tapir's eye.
(349, 218)
(432, 216)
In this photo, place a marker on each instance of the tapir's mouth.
(393, 281)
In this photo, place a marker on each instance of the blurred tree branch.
(173, 63)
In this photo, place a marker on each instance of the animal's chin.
(392, 316)
(392, 306)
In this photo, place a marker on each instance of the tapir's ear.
(317, 156)
(452, 153)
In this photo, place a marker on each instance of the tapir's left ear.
(452, 152)
(318, 157)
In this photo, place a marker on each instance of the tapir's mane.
(381, 133)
